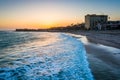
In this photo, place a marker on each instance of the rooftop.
(96, 15)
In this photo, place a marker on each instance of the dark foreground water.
(42, 56)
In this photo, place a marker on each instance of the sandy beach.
(109, 38)
(103, 52)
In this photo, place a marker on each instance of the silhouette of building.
(91, 21)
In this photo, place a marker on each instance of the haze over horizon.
(49, 13)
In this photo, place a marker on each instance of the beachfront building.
(113, 25)
(95, 21)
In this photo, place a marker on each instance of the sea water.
(42, 56)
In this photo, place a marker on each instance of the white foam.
(62, 59)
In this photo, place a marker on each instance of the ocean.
(42, 56)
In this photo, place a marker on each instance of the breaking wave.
(44, 56)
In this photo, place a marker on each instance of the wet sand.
(103, 53)
(105, 65)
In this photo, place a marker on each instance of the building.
(91, 21)
(113, 25)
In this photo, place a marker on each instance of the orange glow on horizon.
(52, 13)
(37, 25)
(43, 17)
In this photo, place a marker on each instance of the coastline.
(104, 60)
(103, 53)
(109, 38)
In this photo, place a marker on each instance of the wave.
(62, 59)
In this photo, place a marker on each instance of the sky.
(52, 13)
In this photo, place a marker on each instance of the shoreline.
(108, 38)
(103, 59)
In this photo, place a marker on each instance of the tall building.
(92, 20)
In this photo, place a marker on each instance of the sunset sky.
(49, 13)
